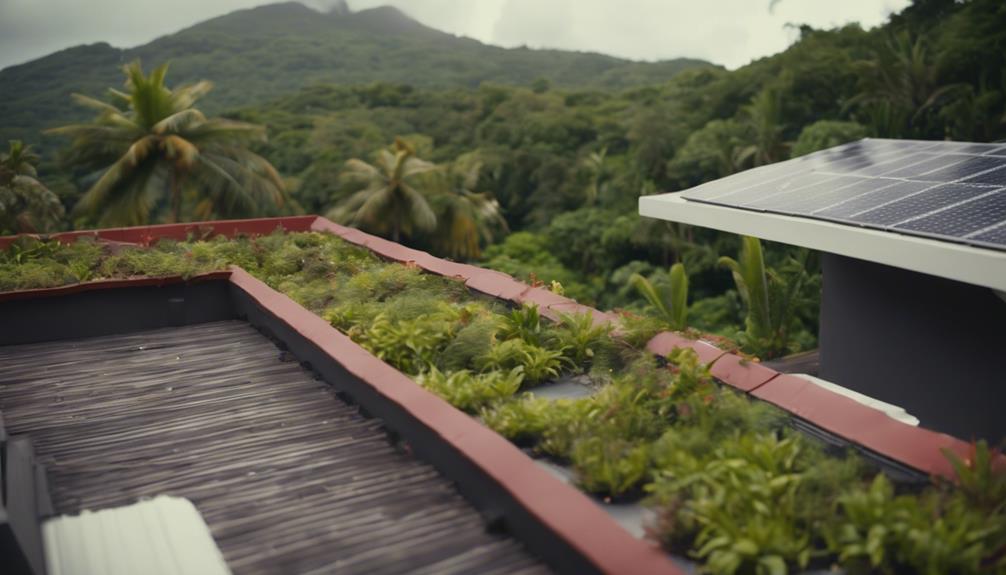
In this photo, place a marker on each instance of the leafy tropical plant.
(155, 156)
(387, 200)
(879, 531)
(672, 309)
(581, 337)
(610, 466)
(523, 420)
(26, 205)
(539, 364)
(743, 504)
(769, 297)
(410, 345)
(472, 391)
(523, 323)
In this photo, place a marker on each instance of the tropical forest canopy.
(531, 161)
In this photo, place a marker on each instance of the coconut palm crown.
(386, 201)
(153, 156)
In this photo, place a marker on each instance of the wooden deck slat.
(289, 478)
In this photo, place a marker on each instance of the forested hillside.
(261, 53)
(565, 143)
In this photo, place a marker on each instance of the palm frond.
(178, 121)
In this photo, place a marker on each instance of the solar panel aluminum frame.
(956, 261)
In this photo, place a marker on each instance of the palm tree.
(26, 205)
(764, 121)
(152, 152)
(465, 218)
(386, 200)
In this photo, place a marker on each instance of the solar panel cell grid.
(743, 191)
(896, 164)
(918, 204)
(995, 236)
(802, 184)
(892, 191)
(788, 201)
(833, 196)
(959, 221)
(966, 147)
(965, 170)
(933, 189)
(994, 177)
(920, 170)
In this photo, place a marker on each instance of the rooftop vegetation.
(734, 485)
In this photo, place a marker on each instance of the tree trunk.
(176, 199)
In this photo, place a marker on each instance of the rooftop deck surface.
(289, 478)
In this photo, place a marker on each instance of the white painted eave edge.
(977, 266)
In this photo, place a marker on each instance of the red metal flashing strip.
(146, 234)
(110, 284)
(916, 447)
(562, 508)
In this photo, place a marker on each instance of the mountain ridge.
(256, 54)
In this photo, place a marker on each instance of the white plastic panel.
(160, 536)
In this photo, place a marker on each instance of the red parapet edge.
(145, 234)
(915, 447)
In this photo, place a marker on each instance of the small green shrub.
(742, 504)
(580, 338)
(523, 420)
(471, 391)
(523, 323)
(539, 364)
(410, 345)
(471, 342)
(612, 467)
(960, 531)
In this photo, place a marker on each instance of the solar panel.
(962, 219)
(952, 191)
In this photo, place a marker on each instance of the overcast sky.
(728, 32)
